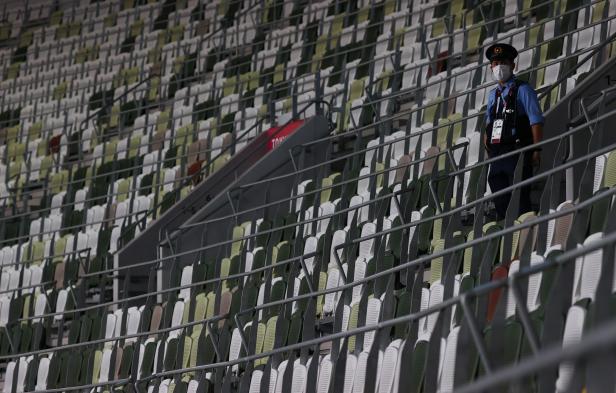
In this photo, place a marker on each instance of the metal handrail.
(594, 50)
(543, 22)
(28, 262)
(468, 168)
(482, 289)
(602, 339)
(352, 13)
(586, 157)
(529, 225)
(604, 194)
(171, 118)
(133, 190)
(232, 146)
(393, 229)
(401, 139)
(202, 38)
(404, 92)
(420, 260)
(477, 291)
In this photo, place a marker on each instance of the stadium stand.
(380, 271)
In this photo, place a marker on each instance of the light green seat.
(353, 320)
(134, 145)
(237, 245)
(609, 174)
(330, 193)
(186, 351)
(431, 110)
(250, 80)
(110, 150)
(201, 306)
(123, 189)
(35, 129)
(321, 287)
(59, 246)
(211, 301)
(16, 151)
(269, 338)
(5, 30)
(37, 256)
(438, 28)
(515, 240)
(13, 71)
(136, 28)
(98, 358)
(162, 122)
(457, 10)
(229, 86)
(261, 328)
(176, 33)
(436, 267)
(184, 135)
(154, 87)
(441, 133)
(195, 337)
(59, 181)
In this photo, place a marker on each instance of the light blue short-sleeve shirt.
(528, 103)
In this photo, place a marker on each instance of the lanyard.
(499, 98)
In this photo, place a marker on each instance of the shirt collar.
(507, 85)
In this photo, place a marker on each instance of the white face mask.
(501, 72)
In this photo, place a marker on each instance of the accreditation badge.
(497, 130)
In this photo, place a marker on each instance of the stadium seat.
(114, 111)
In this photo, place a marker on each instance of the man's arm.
(537, 137)
(489, 105)
(535, 115)
(537, 132)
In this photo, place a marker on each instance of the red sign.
(276, 135)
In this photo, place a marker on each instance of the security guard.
(513, 120)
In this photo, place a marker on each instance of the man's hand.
(485, 142)
(536, 158)
(537, 130)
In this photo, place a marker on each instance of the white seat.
(331, 299)
(95, 217)
(298, 385)
(590, 271)
(21, 373)
(600, 163)
(278, 377)
(41, 375)
(324, 375)
(132, 323)
(186, 279)
(61, 304)
(40, 307)
(325, 210)
(373, 313)
(574, 329)
(359, 380)
(448, 362)
(387, 371)
(8, 377)
(176, 319)
(110, 324)
(255, 381)
(430, 297)
(235, 348)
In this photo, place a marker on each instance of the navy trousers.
(501, 176)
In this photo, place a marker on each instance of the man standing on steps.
(513, 120)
